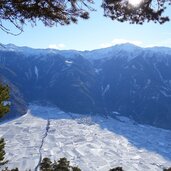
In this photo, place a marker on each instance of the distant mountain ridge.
(98, 53)
(133, 81)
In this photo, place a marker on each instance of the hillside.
(133, 81)
(92, 142)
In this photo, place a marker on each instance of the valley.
(92, 142)
(100, 109)
(133, 81)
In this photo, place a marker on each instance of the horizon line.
(58, 49)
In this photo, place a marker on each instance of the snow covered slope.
(94, 143)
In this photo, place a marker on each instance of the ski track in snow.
(93, 143)
(42, 143)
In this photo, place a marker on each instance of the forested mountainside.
(18, 106)
(130, 80)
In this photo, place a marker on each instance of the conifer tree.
(4, 108)
(4, 96)
(117, 169)
(136, 12)
(76, 169)
(64, 12)
(46, 165)
(6, 169)
(2, 151)
(61, 165)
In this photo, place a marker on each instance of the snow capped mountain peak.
(131, 51)
(120, 50)
(10, 45)
(14, 48)
(127, 46)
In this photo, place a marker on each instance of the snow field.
(94, 143)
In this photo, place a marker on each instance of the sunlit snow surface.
(93, 143)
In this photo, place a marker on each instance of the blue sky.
(97, 32)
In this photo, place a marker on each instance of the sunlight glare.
(135, 3)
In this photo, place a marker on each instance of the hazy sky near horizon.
(97, 32)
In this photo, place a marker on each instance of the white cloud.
(121, 41)
(57, 46)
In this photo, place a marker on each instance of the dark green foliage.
(46, 165)
(117, 169)
(17, 102)
(4, 96)
(49, 12)
(62, 165)
(2, 152)
(6, 169)
(76, 169)
(147, 10)
(64, 12)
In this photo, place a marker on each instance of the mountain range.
(124, 79)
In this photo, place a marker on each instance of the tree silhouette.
(117, 169)
(46, 164)
(2, 151)
(4, 96)
(4, 108)
(64, 12)
(61, 165)
(145, 10)
(50, 12)
(6, 169)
